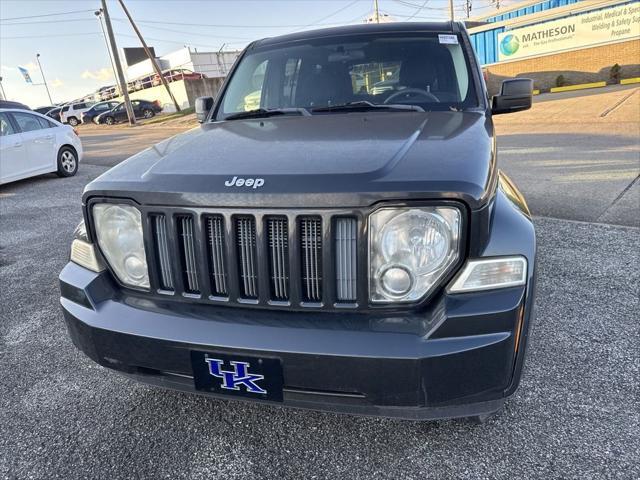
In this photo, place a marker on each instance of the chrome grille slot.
(247, 255)
(346, 253)
(278, 238)
(188, 253)
(311, 258)
(216, 250)
(159, 226)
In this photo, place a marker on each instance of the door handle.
(17, 145)
(49, 137)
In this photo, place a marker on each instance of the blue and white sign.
(25, 74)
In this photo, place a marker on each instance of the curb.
(628, 81)
(582, 86)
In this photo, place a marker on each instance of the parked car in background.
(142, 83)
(10, 104)
(32, 144)
(72, 113)
(177, 74)
(54, 113)
(99, 108)
(141, 109)
(108, 92)
(44, 110)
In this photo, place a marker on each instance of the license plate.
(257, 378)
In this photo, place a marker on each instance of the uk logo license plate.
(258, 378)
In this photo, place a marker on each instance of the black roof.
(10, 104)
(363, 28)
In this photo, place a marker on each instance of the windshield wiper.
(364, 105)
(263, 113)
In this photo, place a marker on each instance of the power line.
(424, 4)
(51, 35)
(317, 22)
(191, 33)
(229, 25)
(47, 21)
(350, 4)
(45, 15)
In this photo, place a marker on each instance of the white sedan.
(32, 144)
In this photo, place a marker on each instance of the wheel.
(147, 113)
(109, 120)
(67, 162)
(73, 121)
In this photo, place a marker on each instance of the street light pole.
(98, 14)
(3, 96)
(44, 79)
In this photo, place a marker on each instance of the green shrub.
(560, 81)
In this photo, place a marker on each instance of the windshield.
(426, 70)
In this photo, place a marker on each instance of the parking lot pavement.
(574, 416)
(108, 146)
(578, 156)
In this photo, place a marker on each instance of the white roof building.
(211, 64)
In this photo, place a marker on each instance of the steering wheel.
(413, 92)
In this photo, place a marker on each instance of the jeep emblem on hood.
(244, 182)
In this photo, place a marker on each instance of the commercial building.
(560, 42)
(211, 64)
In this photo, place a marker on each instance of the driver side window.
(247, 95)
(5, 126)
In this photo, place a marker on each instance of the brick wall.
(578, 66)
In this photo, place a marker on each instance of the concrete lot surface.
(576, 414)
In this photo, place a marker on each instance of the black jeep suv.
(319, 241)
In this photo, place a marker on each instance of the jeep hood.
(329, 160)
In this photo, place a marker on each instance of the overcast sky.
(74, 55)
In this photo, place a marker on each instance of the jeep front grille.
(272, 259)
(311, 245)
(217, 255)
(279, 258)
(188, 254)
(159, 225)
(247, 262)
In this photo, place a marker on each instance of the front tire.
(73, 121)
(109, 120)
(147, 113)
(67, 162)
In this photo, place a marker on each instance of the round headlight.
(410, 250)
(119, 232)
(420, 240)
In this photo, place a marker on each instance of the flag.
(25, 74)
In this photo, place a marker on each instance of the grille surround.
(294, 299)
(329, 302)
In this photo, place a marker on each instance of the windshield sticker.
(448, 39)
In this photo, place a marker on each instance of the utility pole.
(376, 11)
(43, 79)
(451, 16)
(468, 7)
(151, 58)
(3, 96)
(121, 80)
(98, 14)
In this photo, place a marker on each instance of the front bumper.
(462, 356)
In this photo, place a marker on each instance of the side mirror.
(203, 105)
(516, 94)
